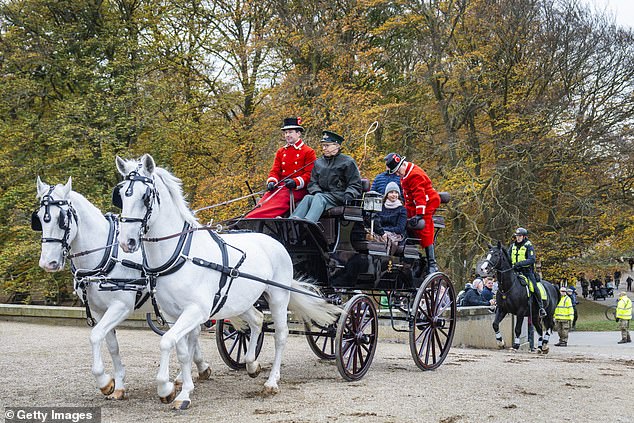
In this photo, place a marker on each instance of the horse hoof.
(168, 399)
(109, 388)
(269, 391)
(501, 345)
(545, 350)
(257, 371)
(205, 375)
(118, 394)
(181, 405)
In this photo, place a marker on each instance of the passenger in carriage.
(290, 173)
(382, 179)
(334, 180)
(389, 223)
(421, 201)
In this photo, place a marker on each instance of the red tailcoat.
(288, 161)
(420, 198)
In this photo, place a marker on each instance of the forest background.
(521, 109)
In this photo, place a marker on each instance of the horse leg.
(114, 315)
(190, 318)
(254, 319)
(119, 369)
(499, 316)
(278, 304)
(204, 370)
(518, 332)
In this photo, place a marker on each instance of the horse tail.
(309, 308)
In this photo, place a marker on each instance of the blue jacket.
(392, 220)
(382, 179)
(473, 298)
(486, 294)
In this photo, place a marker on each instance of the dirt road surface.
(50, 366)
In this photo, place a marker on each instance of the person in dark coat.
(334, 180)
(472, 295)
(382, 179)
(487, 290)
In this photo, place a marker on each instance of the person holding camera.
(421, 201)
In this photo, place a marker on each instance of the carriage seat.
(349, 212)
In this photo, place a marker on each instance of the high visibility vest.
(519, 254)
(624, 308)
(564, 310)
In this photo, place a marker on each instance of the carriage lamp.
(372, 201)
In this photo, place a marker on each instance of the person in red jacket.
(421, 201)
(290, 173)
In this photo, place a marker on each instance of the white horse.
(69, 222)
(209, 280)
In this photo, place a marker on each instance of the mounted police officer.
(523, 260)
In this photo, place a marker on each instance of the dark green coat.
(335, 176)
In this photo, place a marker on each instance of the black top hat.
(329, 136)
(293, 123)
(393, 161)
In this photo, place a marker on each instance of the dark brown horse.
(512, 298)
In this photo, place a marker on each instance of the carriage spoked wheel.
(357, 336)
(433, 321)
(232, 344)
(321, 340)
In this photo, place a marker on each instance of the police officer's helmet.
(521, 231)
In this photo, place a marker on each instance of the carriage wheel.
(433, 322)
(357, 336)
(322, 340)
(232, 344)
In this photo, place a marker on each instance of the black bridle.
(495, 265)
(63, 221)
(151, 194)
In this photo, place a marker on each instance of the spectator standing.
(421, 201)
(564, 314)
(290, 173)
(624, 315)
(629, 282)
(584, 284)
(334, 180)
(472, 295)
(487, 290)
(617, 279)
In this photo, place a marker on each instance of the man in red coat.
(290, 173)
(421, 201)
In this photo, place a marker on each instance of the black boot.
(431, 259)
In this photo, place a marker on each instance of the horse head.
(497, 259)
(135, 196)
(54, 218)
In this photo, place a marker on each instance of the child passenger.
(391, 220)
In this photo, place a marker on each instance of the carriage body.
(371, 280)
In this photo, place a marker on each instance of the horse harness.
(63, 220)
(82, 278)
(181, 253)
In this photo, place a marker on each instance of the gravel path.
(50, 366)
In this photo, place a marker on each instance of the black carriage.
(371, 280)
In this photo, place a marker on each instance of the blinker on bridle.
(63, 222)
(148, 197)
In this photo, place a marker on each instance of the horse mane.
(175, 188)
(76, 198)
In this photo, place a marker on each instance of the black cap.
(393, 161)
(293, 123)
(329, 136)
